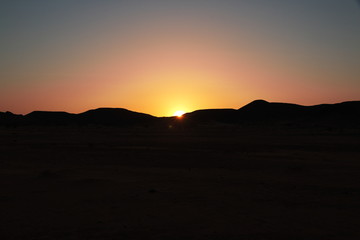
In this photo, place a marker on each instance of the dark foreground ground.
(228, 183)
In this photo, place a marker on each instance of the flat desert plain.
(229, 182)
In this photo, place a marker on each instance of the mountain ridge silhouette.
(255, 112)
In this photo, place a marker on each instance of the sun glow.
(179, 113)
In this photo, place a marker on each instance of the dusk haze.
(179, 119)
(160, 57)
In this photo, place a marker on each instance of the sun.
(179, 113)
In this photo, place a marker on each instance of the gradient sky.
(160, 56)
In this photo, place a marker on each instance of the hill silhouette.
(114, 116)
(48, 118)
(263, 111)
(10, 119)
(213, 116)
(256, 112)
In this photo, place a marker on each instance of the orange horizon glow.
(186, 55)
(179, 113)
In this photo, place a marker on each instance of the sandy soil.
(228, 183)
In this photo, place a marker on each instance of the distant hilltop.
(258, 112)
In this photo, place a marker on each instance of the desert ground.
(228, 182)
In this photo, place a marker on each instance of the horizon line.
(173, 115)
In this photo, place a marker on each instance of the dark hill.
(259, 112)
(346, 113)
(263, 112)
(115, 116)
(49, 118)
(9, 119)
(343, 109)
(212, 115)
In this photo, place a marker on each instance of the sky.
(162, 56)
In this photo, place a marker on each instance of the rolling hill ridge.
(256, 112)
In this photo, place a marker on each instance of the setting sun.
(179, 113)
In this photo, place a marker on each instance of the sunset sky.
(161, 56)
